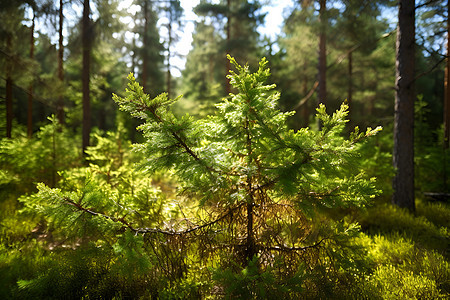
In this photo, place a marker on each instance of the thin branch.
(45, 101)
(425, 4)
(336, 62)
(181, 142)
(150, 230)
(343, 56)
(309, 95)
(431, 51)
(431, 69)
(290, 249)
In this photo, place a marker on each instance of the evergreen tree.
(360, 34)
(174, 12)
(355, 29)
(150, 51)
(108, 62)
(202, 80)
(230, 28)
(297, 75)
(258, 188)
(431, 29)
(13, 54)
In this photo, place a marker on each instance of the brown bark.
(227, 63)
(322, 65)
(168, 74)
(305, 109)
(403, 155)
(60, 104)
(86, 44)
(446, 118)
(9, 94)
(322, 68)
(144, 54)
(250, 242)
(447, 87)
(250, 247)
(30, 87)
(350, 85)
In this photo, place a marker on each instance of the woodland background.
(64, 138)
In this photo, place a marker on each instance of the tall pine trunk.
(322, 67)
(86, 44)
(169, 44)
(227, 62)
(30, 87)
(145, 54)
(403, 156)
(446, 118)
(9, 86)
(305, 109)
(350, 88)
(60, 104)
(447, 87)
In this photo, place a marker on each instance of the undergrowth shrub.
(25, 162)
(66, 254)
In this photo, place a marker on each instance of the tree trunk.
(30, 87)
(403, 156)
(227, 63)
(86, 44)
(60, 104)
(322, 66)
(447, 87)
(250, 247)
(134, 56)
(305, 108)
(350, 88)
(9, 85)
(446, 118)
(168, 75)
(144, 54)
(322, 69)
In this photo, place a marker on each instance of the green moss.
(387, 219)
